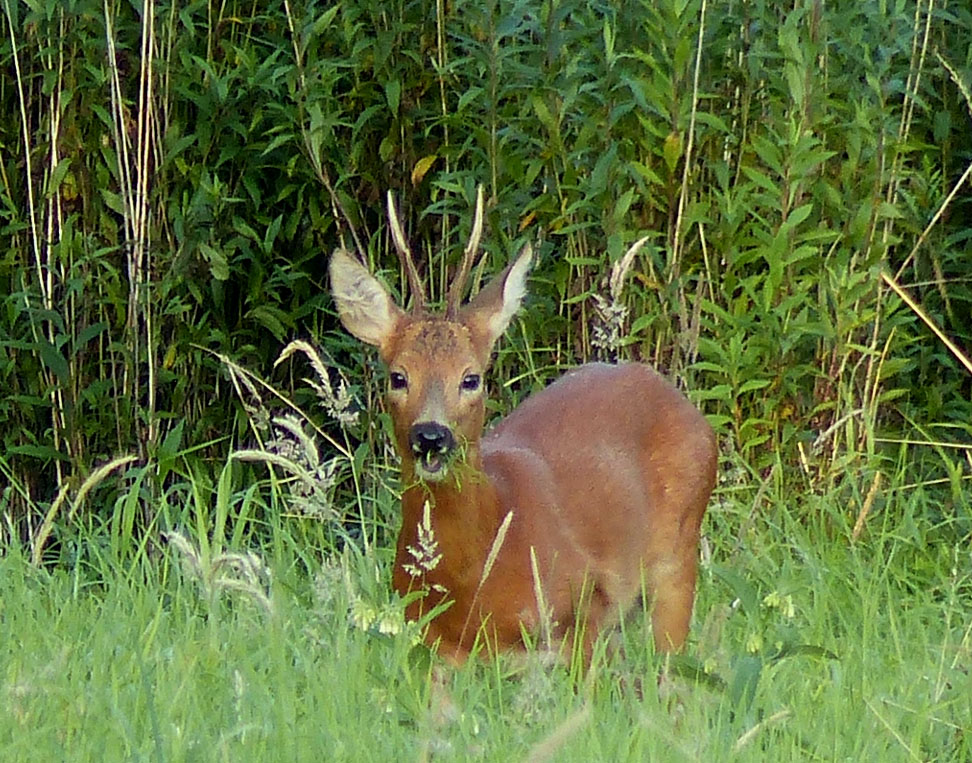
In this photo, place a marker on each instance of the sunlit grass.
(826, 650)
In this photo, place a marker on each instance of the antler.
(459, 282)
(405, 256)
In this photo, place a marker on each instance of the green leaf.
(804, 650)
(89, 333)
(622, 205)
(742, 589)
(271, 235)
(54, 360)
(798, 215)
(795, 78)
(546, 118)
(324, 21)
(57, 177)
(270, 318)
(672, 150)
(639, 324)
(753, 384)
(745, 679)
(761, 179)
(113, 201)
(599, 177)
(218, 266)
(169, 449)
(769, 152)
(469, 96)
(393, 95)
(43, 452)
(648, 174)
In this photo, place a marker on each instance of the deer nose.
(430, 437)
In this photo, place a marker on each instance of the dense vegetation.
(173, 177)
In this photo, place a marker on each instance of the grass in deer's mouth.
(434, 466)
(433, 463)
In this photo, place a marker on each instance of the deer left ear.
(364, 306)
(491, 311)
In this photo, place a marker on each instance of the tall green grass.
(814, 646)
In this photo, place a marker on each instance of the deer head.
(435, 363)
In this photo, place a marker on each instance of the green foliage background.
(175, 175)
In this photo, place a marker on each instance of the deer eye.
(397, 380)
(471, 382)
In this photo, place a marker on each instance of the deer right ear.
(490, 311)
(365, 307)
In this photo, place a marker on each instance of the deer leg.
(672, 597)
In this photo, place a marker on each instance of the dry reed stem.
(44, 270)
(28, 171)
(141, 245)
(547, 749)
(871, 397)
(866, 508)
(934, 221)
(238, 373)
(86, 487)
(546, 627)
(917, 309)
(686, 168)
(341, 218)
(929, 443)
(904, 128)
(908, 106)
(959, 83)
(749, 736)
(487, 568)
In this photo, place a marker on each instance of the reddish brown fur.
(607, 473)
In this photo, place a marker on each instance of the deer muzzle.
(433, 445)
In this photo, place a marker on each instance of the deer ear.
(491, 311)
(365, 307)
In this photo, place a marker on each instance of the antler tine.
(405, 256)
(459, 282)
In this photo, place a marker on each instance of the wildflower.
(607, 333)
(337, 402)
(754, 643)
(293, 450)
(245, 573)
(784, 604)
(426, 554)
(363, 614)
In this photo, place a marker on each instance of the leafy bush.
(175, 176)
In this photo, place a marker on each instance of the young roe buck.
(592, 489)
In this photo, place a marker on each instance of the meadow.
(198, 492)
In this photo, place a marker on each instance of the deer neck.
(463, 510)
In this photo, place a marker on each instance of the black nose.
(430, 437)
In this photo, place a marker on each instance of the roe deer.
(593, 489)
